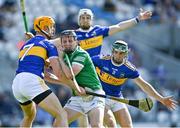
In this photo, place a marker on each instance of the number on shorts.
(25, 53)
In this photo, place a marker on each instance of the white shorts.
(26, 86)
(85, 104)
(114, 105)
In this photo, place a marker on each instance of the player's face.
(85, 21)
(68, 43)
(118, 56)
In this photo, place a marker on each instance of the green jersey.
(87, 77)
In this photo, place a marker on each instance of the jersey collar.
(82, 30)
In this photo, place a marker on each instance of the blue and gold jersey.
(92, 40)
(113, 77)
(33, 54)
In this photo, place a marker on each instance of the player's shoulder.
(129, 65)
(81, 51)
(98, 27)
(95, 57)
(47, 43)
(80, 54)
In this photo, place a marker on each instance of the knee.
(111, 122)
(61, 114)
(97, 125)
(31, 115)
(126, 124)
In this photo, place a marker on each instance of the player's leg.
(96, 114)
(73, 108)
(29, 111)
(72, 115)
(123, 118)
(83, 121)
(96, 117)
(109, 119)
(19, 87)
(52, 105)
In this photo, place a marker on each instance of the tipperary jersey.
(113, 77)
(92, 40)
(33, 54)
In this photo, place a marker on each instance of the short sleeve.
(134, 74)
(80, 59)
(102, 31)
(51, 50)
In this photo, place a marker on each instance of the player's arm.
(64, 66)
(143, 15)
(51, 78)
(148, 88)
(57, 71)
(76, 67)
(66, 69)
(78, 63)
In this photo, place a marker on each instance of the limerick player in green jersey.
(86, 77)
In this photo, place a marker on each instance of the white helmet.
(85, 11)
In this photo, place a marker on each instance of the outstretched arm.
(143, 15)
(147, 88)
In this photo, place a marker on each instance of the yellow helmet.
(42, 21)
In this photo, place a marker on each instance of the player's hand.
(28, 35)
(81, 91)
(169, 102)
(61, 54)
(47, 63)
(144, 15)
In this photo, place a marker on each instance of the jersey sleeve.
(96, 60)
(132, 70)
(80, 59)
(102, 31)
(51, 50)
(134, 74)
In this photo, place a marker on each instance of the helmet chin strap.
(44, 32)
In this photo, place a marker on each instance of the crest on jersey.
(114, 71)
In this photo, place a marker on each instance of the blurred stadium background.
(155, 50)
